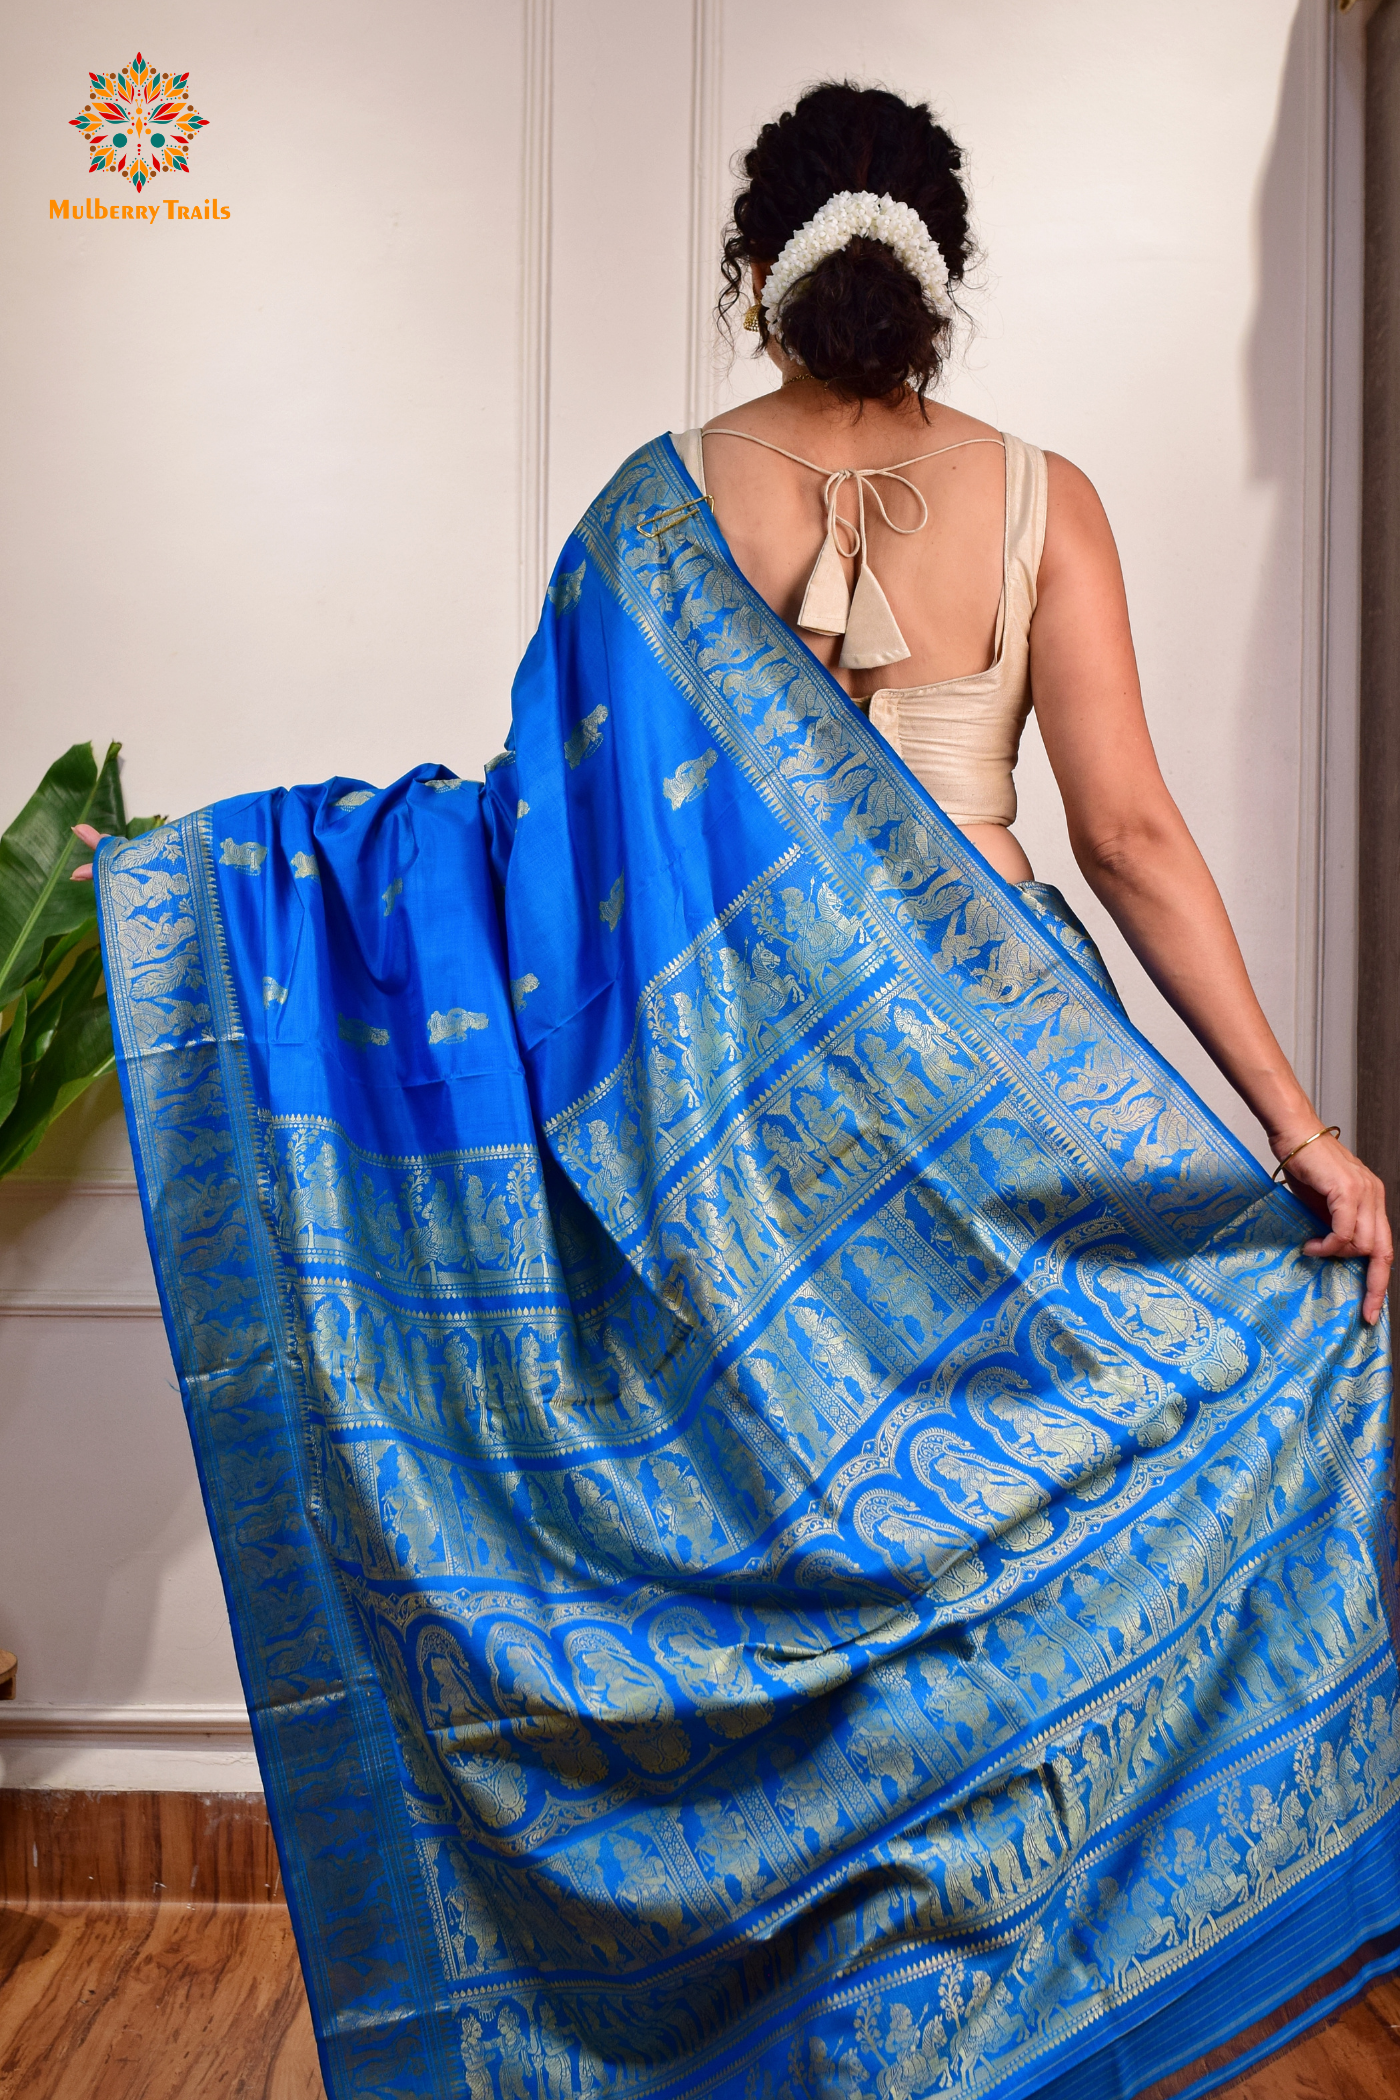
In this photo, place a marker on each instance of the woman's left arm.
(1136, 854)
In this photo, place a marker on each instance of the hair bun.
(860, 322)
(859, 319)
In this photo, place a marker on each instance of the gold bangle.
(1328, 1130)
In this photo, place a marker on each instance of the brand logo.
(138, 123)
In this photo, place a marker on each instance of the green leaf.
(79, 1052)
(56, 950)
(109, 807)
(38, 854)
(60, 1035)
(11, 1064)
(75, 991)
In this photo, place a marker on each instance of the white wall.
(279, 490)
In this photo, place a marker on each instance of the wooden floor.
(1354, 2057)
(153, 2001)
(160, 2001)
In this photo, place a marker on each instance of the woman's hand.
(91, 839)
(1334, 1183)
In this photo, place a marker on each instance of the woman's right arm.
(1135, 852)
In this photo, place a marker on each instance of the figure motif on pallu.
(795, 1522)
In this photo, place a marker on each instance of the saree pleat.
(796, 1523)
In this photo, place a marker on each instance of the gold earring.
(751, 317)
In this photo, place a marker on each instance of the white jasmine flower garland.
(841, 219)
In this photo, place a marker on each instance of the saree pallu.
(795, 1522)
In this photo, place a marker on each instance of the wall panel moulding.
(74, 1249)
(152, 1723)
(83, 1846)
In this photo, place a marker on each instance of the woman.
(800, 1519)
(865, 345)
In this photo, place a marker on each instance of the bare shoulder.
(777, 409)
(1076, 523)
(1070, 489)
(741, 416)
(956, 428)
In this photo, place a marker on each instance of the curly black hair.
(858, 320)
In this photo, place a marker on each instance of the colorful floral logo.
(138, 122)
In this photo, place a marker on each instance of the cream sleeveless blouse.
(961, 737)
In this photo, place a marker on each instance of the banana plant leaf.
(55, 1033)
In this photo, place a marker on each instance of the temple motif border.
(324, 1745)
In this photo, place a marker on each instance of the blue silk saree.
(795, 1522)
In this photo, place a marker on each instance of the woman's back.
(905, 549)
(943, 583)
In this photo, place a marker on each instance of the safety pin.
(669, 518)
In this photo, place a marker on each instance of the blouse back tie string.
(863, 616)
